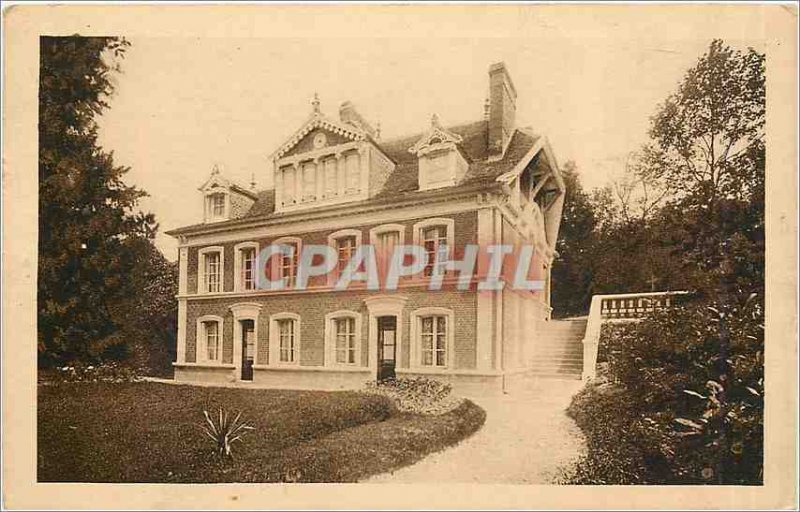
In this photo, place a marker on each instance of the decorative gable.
(441, 163)
(319, 122)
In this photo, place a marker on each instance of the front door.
(387, 344)
(248, 348)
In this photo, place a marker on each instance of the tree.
(573, 266)
(708, 150)
(86, 212)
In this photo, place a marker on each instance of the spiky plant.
(224, 432)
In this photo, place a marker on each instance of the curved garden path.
(526, 439)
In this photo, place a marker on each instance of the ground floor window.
(345, 332)
(433, 333)
(212, 340)
(288, 345)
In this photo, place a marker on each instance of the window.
(434, 235)
(309, 181)
(353, 172)
(432, 335)
(385, 238)
(288, 185)
(245, 276)
(212, 340)
(433, 238)
(343, 338)
(210, 263)
(345, 330)
(288, 265)
(331, 188)
(215, 206)
(209, 339)
(286, 332)
(345, 249)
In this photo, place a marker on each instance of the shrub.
(684, 399)
(102, 372)
(419, 395)
(224, 431)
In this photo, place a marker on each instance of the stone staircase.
(558, 351)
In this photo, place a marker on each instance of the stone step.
(558, 365)
(555, 375)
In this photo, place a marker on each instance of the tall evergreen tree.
(86, 211)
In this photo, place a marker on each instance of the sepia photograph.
(542, 248)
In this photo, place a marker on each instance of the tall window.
(248, 269)
(345, 249)
(213, 272)
(353, 178)
(288, 264)
(345, 332)
(288, 185)
(309, 181)
(212, 340)
(433, 332)
(287, 346)
(331, 188)
(215, 206)
(433, 239)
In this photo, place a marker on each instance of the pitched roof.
(403, 182)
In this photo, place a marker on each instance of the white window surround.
(243, 311)
(275, 341)
(202, 284)
(332, 239)
(275, 263)
(238, 285)
(449, 225)
(416, 338)
(377, 231)
(330, 337)
(201, 349)
(208, 214)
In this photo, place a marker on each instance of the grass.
(149, 432)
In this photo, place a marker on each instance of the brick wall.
(466, 227)
(312, 309)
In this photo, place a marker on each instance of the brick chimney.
(502, 108)
(349, 115)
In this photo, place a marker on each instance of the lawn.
(149, 432)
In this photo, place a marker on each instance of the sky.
(184, 104)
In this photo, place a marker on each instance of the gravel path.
(526, 439)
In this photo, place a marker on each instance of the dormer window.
(215, 206)
(441, 163)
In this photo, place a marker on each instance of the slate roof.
(403, 182)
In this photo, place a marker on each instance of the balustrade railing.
(618, 308)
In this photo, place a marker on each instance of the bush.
(82, 372)
(684, 399)
(418, 395)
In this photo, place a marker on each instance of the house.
(338, 184)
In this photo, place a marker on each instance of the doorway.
(248, 331)
(387, 347)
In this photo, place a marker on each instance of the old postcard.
(372, 256)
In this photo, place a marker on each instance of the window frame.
(333, 243)
(276, 263)
(202, 278)
(208, 206)
(238, 266)
(201, 339)
(421, 226)
(416, 318)
(274, 339)
(331, 334)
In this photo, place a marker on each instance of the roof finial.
(315, 103)
(378, 130)
(487, 106)
(215, 170)
(252, 181)
(435, 121)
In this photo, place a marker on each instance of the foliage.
(419, 395)
(97, 264)
(81, 372)
(684, 399)
(146, 432)
(224, 431)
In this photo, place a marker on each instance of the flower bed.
(418, 395)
